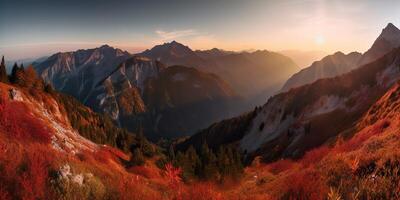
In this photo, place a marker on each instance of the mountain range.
(132, 88)
(253, 75)
(139, 93)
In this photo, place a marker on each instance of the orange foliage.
(24, 172)
(356, 141)
(305, 185)
(280, 166)
(202, 191)
(4, 194)
(17, 122)
(315, 155)
(143, 171)
(173, 174)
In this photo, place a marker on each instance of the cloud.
(176, 34)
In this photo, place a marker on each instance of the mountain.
(303, 118)
(387, 40)
(139, 93)
(303, 58)
(119, 93)
(183, 100)
(339, 63)
(329, 66)
(174, 53)
(212, 53)
(77, 73)
(253, 75)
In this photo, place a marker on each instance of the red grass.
(356, 141)
(201, 191)
(304, 186)
(4, 194)
(280, 166)
(142, 171)
(33, 180)
(103, 155)
(24, 171)
(315, 155)
(16, 121)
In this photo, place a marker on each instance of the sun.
(319, 40)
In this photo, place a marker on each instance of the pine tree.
(14, 73)
(3, 72)
(209, 169)
(137, 158)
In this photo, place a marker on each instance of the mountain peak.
(105, 46)
(391, 33)
(173, 43)
(391, 26)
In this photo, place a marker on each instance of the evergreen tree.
(3, 72)
(209, 168)
(14, 73)
(137, 158)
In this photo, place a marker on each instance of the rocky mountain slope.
(183, 100)
(339, 63)
(329, 66)
(77, 73)
(293, 122)
(387, 40)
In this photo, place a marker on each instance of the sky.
(33, 28)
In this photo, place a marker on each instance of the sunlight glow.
(319, 40)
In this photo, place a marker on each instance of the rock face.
(339, 63)
(329, 66)
(120, 92)
(305, 117)
(77, 73)
(387, 40)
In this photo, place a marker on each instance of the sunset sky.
(31, 28)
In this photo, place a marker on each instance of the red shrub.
(280, 166)
(304, 186)
(33, 179)
(24, 171)
(356, 141)
(201, 191)
(142, 171)
(173, 174)
(315, 155)
(103, 155)
(4, 194)
(17, 122)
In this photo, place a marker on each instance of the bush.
(280, 166)
(16, 121)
